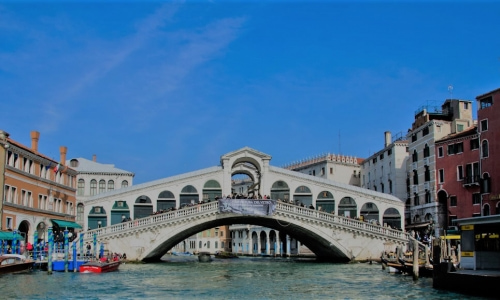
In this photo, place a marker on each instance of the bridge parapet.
(343, 221)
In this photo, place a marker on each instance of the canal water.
(241, 278)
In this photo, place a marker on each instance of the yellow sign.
(467, 227)
(467, 254)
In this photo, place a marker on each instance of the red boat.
(99, 267)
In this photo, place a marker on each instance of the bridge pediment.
(245, 154)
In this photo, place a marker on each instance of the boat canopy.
(9, 235)
(68, 224)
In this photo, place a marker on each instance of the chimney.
(63, 150)
(94, 157)
(35, 136)
(388, 138)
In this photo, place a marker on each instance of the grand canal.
(242, 278)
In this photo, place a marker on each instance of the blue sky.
(163, 88)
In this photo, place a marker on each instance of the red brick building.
(488, 115)
(457, 174)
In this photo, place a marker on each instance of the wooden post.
(415, 260)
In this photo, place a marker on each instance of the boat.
(99, 267)
(204, 257)
(14, 263)
(224, 254)
(181, 253)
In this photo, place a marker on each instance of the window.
(124, 184)
(414, 156)
(426, 151)
(486, 184)
(484, 125)
(466, 105)
(440, 152)
(414, 138)
(102, 186)
(441, 175)
(9, 223)
(415, 177)
(425, 131)
(460, 173)
(485, 152)
(427, 197)
(486, 102)
(474, 144)
(322, 171)
(476, 198)
(416, 200)
(381, 156)
(111, 185)
(331, 170)
(460, 127)
(427, 174)
(93, 187)
(453, 200)
(79, 213)
(389, 152)
(81, 187)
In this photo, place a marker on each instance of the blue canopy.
(9, 235)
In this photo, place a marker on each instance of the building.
(431, 123)
(38, 192)
(340, 168)
(385, 170)
(95, 178)
(489, 137)
(457, 167)
(211, 240)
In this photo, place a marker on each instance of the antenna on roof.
(450, 90)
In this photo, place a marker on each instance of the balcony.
(414, 165)
(414, 188)
(426, 161)
(471, 181)
(427, 186)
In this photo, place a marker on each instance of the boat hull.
(99, 267)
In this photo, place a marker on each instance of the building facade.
(457, 169)
(95, 178)
(38, 192)
(385, 171)
(431, 123)
(489, 134)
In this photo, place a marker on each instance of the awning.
(418, 225)
(63, 224)
(9, 235)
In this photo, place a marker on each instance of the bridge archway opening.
(212, 190)
(189, 196)
(303, 196)
(348, 208)
(370, 213)
(290, 234)
(325, 202)
(143, 207)
(392, 218)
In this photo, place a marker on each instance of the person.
(124, 256)
(89, 247)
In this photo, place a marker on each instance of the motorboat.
(204, 257)
(99, 266)
(14, 263)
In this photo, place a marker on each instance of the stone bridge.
(331, 237)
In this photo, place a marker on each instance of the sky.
(163, 88)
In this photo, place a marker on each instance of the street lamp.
(99, 224)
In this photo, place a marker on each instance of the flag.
(56, 168)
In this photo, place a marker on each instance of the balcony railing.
(471, 180)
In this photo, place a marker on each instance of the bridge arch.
(189, 195)
(303, 195)
(165, 201)
(392, 218)
(280, 191)
(143, 207)
(325, 202)
(212, 190)
(348, 207)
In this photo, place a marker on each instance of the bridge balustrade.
(213, 207)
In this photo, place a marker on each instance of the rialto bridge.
(335, 233)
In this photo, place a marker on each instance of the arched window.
(102, 186)
(486, 210)
(93, 187)
(124, 184)
(111, 185)
(79, 213)
(81, 187)
(415, 156)
(484, 149)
